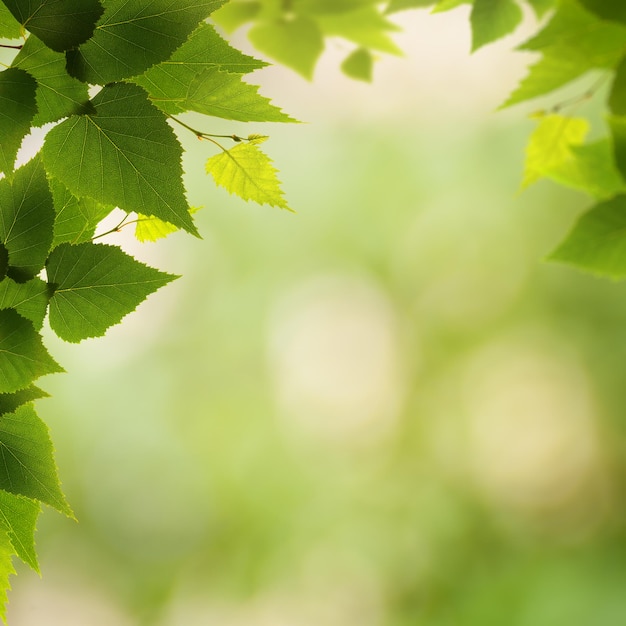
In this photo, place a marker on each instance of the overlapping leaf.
(225, 95)
(76, 219)
(61, 24)
(247, 172)
(572, 43)
(129, 38)
(10, 402)
(125, 155)
(18, 518)
(29, 299)
(591, 169)
(58, 94)
(168, 82)
(23, 357)
(27, 466)
(551, 144)
(95, 287)
(17, 110)
(598, 241)
(26, 219)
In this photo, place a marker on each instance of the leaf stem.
(115, 229)
(210, 136)
(586, 95)
(6, 45)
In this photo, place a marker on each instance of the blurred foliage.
(388, 421)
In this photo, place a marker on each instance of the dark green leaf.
(58, 94)
(23, 357)
(597, 243)
(18, 517)
(617, 125)
(10, 402)
(17, 110)
(95, 287)
(613, 10)
(617, 97)
(4, 261)
(27, 466)
(76, 219)
(125, 155)
(29, 299)
(129, 38)
(60, 24)
(26, 219)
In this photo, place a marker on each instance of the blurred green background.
(384, 410)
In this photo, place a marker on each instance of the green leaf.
(23, 357)
(10, 402)
(597, 243)
(27, 219)
(6, 569)
(591, 169)
(225, 95)
(27, 466)
(612, 10)
(10, 28)
(401, 5)
(95, 287)
(76, 219)
(493, 19)
(17, 110)
(247, 172)
(235, 14)
(29, 299)
(296, 43)
(18, 518)
(168, 82)
(58, 94)
(130, 39)
(60, 24)
(572, 43)
(359, 65)
(125, 155)
(4, 261)
(448, 5)
(617, 124)
(541, 7)
(551, 143)
(617, 97)
(366, 27)
(153, 229)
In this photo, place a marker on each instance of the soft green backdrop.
(384, 410)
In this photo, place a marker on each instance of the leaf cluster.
(108, 80)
